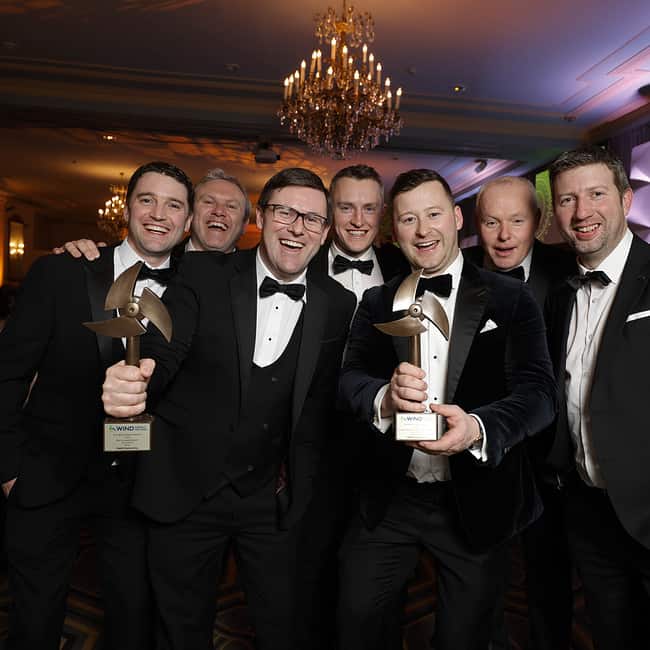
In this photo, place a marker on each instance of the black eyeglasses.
(286, 215)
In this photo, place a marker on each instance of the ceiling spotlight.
(458, 89)
(107, 137)
(265, 154)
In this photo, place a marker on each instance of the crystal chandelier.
(341, 105)
(110, 218)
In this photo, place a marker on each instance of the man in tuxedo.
(352, 259)
(507, 218)
(244, 397)
(599, 328)
(490, 386)
(220, 213)
(52, 468)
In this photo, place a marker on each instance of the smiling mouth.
(217, 225)
(587, 229)
(293, 245)
(155, 229)
(357, 233)
(424, 246)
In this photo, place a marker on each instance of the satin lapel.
(99, 278)
(470, 305)
(634, 280)
(315, 315)
(244, 307)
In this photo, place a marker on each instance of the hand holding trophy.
(134, 433)
(415, 426)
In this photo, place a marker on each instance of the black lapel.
(537, 276)
(320, 262)
(470, 304)
(99, 278)
(315, 315)
(633, 282)
(243, 286)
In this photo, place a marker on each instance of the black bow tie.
(344, 264)
(161, 276)
(270, 287)
(577, 281)
(438, 284)
(517, 273)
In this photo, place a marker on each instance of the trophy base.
(416, 426)
(128, 434)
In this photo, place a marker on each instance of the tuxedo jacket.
(502, 374)
(391, 260)
(54, 438)
(618, 402)
(549, 266)
(196, 390)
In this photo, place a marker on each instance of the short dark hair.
(359, 173)
(589, 155)
(166, 169)
(294, 177)
(413, 178)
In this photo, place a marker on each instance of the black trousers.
(187, 557)
(548, 574)
(42, 546)
(375, 565)
(614, 569)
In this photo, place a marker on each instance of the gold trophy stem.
(414, 350)
(132, 356)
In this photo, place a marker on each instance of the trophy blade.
(405, 294)
(117, 327)
(121, 291)
(433, 311)
(407, 326)
(152, 307)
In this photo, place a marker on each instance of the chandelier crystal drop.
(341, 104)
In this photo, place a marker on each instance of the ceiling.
(198, 83)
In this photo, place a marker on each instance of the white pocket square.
(639, 314)
(489, 325)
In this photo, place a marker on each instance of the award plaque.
(415, 426)
(134, 433)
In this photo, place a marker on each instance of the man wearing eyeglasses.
(244, 397)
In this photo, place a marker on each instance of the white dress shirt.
(426, 468)
(352, 279)
(588, 318)
(277, 316)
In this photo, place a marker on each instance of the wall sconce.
(16, 239)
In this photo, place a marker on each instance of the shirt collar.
(262, 271)
(613, 264)
(129, 257)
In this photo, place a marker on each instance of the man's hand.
(406, 391)
(86, 247)
(6, 487)
(462, 432)
(125, 388)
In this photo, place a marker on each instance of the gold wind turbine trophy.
(415, 426)
(134, 433)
